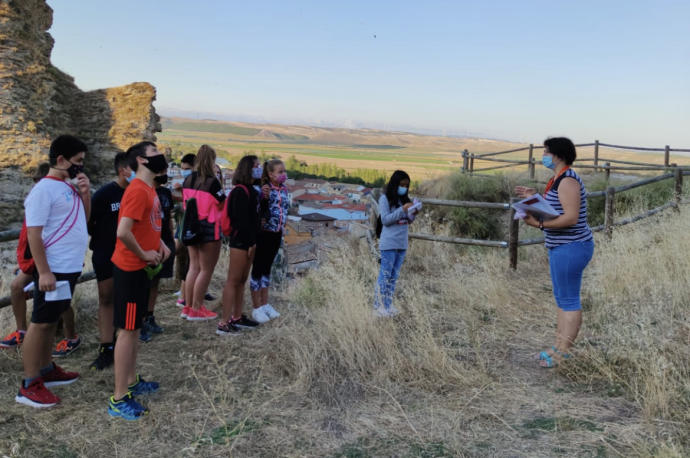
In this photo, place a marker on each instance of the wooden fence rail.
(468, 159)
(513, 241)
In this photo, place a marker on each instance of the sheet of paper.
(29, 287)
(62, 292)
(537, 206)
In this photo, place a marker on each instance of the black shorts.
(167, 270)
(102, 266)
(182, 262)
(236, 242)
(50, 311)
(130, 298)
(207, 232)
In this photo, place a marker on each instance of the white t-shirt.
(57, 207)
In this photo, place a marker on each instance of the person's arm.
(84, 187)
(216, 191)
(124, 233)
(388, 217)
(96, 212)
(46, 279)
(569, 196)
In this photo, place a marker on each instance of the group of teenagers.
(134, 241)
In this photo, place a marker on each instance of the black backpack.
(191, 228)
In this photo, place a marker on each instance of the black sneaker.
(104, 359)
(245, 322)
(209, 297)
(151, 325)
(144, 334)
(227, 329)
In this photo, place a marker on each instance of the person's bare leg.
(68, 324)
(256, 299)
(37, 348)
(192, 273)
(106, 330)
(153, 294)
(239, 288)
(264, 296)
(126, 349)
(19, 300)
(236, 267)
(208, 257)
(570, 328)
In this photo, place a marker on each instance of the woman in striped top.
(569, 242)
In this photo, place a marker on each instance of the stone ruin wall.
(38, 102)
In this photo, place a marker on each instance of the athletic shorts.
(130, 298)
(50, 311)
(167, 270)
(103, 267)
(207, 232)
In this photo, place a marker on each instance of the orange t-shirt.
(139, 202)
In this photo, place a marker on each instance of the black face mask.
(74, 170)
(161, 179)
(156, 164)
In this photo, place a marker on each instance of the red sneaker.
(185, 311)
(202, 314)
(36, 395)
(58, 376)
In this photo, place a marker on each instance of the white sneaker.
(178, 293)
(270, 311)
(260, 316)
(381, 312)
(393, 311)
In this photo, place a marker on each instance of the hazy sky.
(618, 71)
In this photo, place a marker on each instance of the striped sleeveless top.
(578, 232)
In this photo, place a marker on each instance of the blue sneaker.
(127, 408)
(144, 335)
(141, 386)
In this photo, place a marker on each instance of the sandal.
(550, 363)
(542, 355)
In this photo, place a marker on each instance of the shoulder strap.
(243, 187)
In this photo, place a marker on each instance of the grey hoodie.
(395, 223)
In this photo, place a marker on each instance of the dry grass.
(452, 376)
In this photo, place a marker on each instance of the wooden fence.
(598, 162)
(513, 242)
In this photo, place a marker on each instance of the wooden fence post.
(531, 161)
(472, 163)
(678, 192)
(609, 210)
(608, 172)
(464, 161)
(667, 155)
(596, 155)
(513, 234)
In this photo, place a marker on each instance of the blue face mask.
(131, 176)
(186, 173)
(402, 190)
(257, 172)
(547, 161)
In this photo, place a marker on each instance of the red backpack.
(24, 258)
(225, 223)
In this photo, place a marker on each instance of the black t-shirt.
(167, 206)
(105, 208)
(243, 210)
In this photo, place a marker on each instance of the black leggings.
(267, 245)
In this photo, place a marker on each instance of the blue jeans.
(391, 262)
(567, 262)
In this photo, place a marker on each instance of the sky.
(617, 71)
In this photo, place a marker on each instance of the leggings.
(567, 262)
(267, 245)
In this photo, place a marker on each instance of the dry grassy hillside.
(452, 376)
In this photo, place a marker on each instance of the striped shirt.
(578, 232)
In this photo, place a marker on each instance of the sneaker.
(66, 346)
(104, 359)
(127, 408)
(180, 303)
(58, 376)
(209, 297)
(244, 322)
(185, 311)
(381, 312)
(227, 329)
(12, 340)
(393, 311)
(141, 386)
(144, 335)
(203, 314)
(178, 293)
(152, 326)
(36, 395)
(270, 311)
(260, 316)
